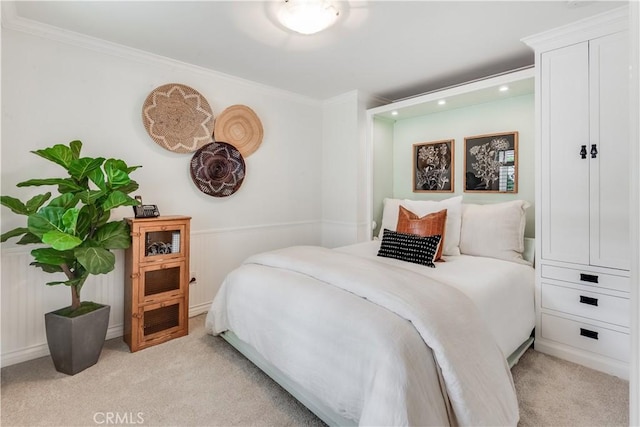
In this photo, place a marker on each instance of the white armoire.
(582, 192)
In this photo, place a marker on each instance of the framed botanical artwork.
(433, 170)
(491, 163)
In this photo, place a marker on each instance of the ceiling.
(390, 49)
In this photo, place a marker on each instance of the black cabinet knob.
(583, 152)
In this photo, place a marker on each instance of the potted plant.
(76, 239)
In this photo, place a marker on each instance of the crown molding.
(11, 21)
(612, 21)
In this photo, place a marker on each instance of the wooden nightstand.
(156, 292)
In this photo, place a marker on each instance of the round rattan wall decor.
(217, 169)
(178, 118)
(240, 126)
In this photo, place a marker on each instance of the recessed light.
(504, 88)
(442, 102)
(394, 113)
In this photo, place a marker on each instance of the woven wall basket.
(217, 169)
(240, 126)
(178, 118)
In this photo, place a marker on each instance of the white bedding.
(365, 361)
(502, 290)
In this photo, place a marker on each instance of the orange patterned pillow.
(429, 225)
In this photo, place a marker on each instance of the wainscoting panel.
(25, 298)
(342, 233)
(216, 253)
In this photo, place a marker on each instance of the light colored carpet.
(200, 380)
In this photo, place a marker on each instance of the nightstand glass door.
(161, 281)
(162, 242)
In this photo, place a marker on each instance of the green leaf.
(75, 147)
(29, 238)
(60, 241)
(47, 219)
(42, 181)
(80, 168)
(72, 282)
(58, 282)
(88, 215)
(69, 220)
(65, 185)
(14, 204)
(52, 256)
(36, 202)
(13, 233)
(95, 260)
(97, 177)
(69, 185)
(65, 201)
(90, 197)
(116, 171)
(129, 188)
(104, 218)
(59, 153)
(131, 169)
(118, 198)
(47, 268)
(114, 235)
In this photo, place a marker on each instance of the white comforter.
(352, 332)
(503, 291)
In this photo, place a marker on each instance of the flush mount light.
(307, 16)
(442, 102)
(503, 88)
(394, 113)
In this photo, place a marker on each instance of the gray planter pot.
(76, 343)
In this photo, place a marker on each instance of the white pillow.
(390, 208)
(421, 208)
(494, 230)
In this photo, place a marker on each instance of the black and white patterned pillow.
(409, 247)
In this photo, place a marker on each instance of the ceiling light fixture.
(394, 113)
(504, 88)
(442, 102)
(307, 16)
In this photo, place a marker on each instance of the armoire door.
(564, 94)
(609, 172)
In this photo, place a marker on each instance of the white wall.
(345, 163)
(382, 141)
(57, 87)
(512, 114)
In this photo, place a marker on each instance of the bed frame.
(311, 402)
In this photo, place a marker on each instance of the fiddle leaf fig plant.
(74, 226)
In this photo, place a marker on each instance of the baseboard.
(24, 354)
(198, 309)
(42, 350)
(590, 360)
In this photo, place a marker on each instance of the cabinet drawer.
(586, 337)
(605, 308)
(588, 278)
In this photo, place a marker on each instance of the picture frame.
(433, 166)
(491, 163)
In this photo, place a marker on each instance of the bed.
(370, 340)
